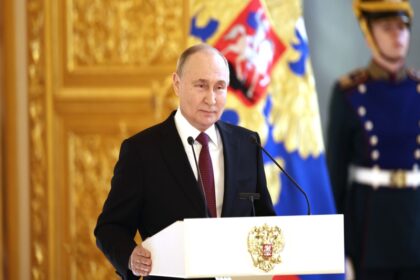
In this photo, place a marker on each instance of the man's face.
(202, 88)
(392, 38)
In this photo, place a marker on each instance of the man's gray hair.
(195, 49)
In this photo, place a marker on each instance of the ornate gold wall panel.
(98, 71)
(86, 154)
(119, 42)
(123, 33)
(91, 157)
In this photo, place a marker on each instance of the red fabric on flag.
(252, 48)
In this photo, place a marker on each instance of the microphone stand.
(254, 140)
(251, 197)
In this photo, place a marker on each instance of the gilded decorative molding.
(91, 161)
(129, 33)
(37, 139)
(164, 97)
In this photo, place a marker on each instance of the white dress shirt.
(185, 130)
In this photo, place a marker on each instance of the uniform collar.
(378, 73)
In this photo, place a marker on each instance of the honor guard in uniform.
(373, 148)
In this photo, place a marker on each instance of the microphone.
(255, 141)
(200, 179)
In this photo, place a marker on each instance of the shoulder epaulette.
(353, 79)
(414, 74)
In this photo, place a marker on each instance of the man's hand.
(140, 261)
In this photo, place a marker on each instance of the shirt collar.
(185, 129)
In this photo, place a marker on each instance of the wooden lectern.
(217, 247)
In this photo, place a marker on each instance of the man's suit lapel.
(231, 147)
(178, 164)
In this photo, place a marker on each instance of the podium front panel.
(219, 246)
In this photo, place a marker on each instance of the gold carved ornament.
(38, 111)
(265, 244)
(129, 33)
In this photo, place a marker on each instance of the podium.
(218, 247)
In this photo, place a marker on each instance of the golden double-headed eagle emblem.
(265, 244)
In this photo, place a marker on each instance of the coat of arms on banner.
(265, 244)
(252, 48)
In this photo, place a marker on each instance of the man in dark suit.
(155, 180)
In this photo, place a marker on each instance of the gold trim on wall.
(37, 17)
(2, 132)
(11, 229)
(15, 162)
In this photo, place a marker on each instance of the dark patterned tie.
(206, 170)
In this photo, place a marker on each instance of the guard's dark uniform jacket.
(373, 157)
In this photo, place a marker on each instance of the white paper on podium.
(218, 246)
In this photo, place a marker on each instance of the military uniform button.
(418, 88)
(368, 125)
(418, 139)
(373, 140)
(362, 88)
(361, 111)
(375, 154)
(417, 154)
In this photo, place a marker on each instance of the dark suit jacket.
(154, 185)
